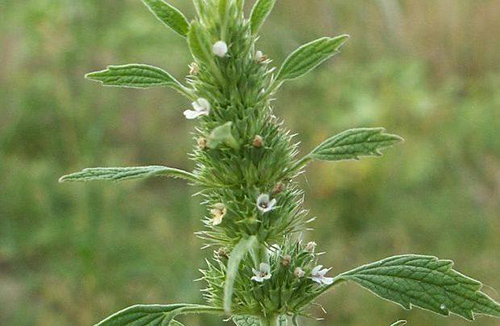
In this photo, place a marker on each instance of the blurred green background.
(71, 254)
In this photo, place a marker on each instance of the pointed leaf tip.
(134, 76)
(309, 56)
(425, 282)
(168, 15)
(355, 143)
(259, 14)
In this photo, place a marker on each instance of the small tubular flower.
(220, 49)
(318, 275)
(201, 107)
(263, 274)
(265, 204)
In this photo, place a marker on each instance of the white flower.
(298, 272)
(264, 273)
(318, 275)
(218, 213)
(260, 57)
(264, 204)
(200, 106)
(220, 49)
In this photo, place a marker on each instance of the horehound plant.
(246, 163)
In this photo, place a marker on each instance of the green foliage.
(425, 282)
(353, 144)
(129, 173)
(233, 266)
(155, 315)
(169, 15)
(259, 14)
(134, 76)
(222, 135)
(245, 160)
(199, 43)
(246, 321)
(309, 56)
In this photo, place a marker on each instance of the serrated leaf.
(134, 76)
(400, 323)
(155, 315)
(309, 56)
(259, 14)
(199, 43)
(175, 323)
(353, 144)
(121, 174)
(169, 15)
(425, 282)
(233, 264)
(245, 320)
(282, 320)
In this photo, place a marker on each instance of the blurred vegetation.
(71, 254)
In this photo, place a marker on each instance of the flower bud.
(298, 272)
(286, 261)
(220, 49)
(194, 69)
(311, 246)
(260, 57)
(278, 188)
(202, 143)
(258, 142)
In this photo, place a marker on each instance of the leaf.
(222, 135)
(121, 174)
(259, 14)
(169, 15)
(199, 43)
(425, 282)
(155, 315)
(246, 320)
(309, 56)
(354, 143)
(400, 323)
(282, 320)
(134, 76)
(176, 323)
(233, 264)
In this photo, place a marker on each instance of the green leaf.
(282, 320)
(233, 264)
(155, 315)
(134, 76)
(425, 282)
(259, 14)
(169, 15)
(309, 56)
(400, 323)
(199, 43)
(245, 320)
(121, 174)
(222, 135)
(354, 143)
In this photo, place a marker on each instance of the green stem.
(269, 321)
